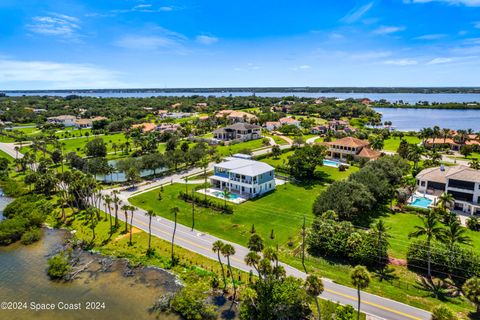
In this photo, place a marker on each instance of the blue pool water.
(331, 163)
(421, 202)
(232, 196)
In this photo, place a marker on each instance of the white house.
(246, 177)
(66, 120)
(289, 121)
(462, 182)
(238, 131)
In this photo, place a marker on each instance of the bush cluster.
(206, 203)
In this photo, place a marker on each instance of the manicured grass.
(392, 144)
(401, 224)
(278, 140)
(234, 148)
(4, 155)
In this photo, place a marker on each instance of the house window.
(422, 183)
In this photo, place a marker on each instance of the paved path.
(201, 243)
(311, 140)
(9, 148)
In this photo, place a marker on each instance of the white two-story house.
(246, 177)
(462, 182)
(238, 131)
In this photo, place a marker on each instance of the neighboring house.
(451, 143)
(238, 131)
(175, 115)
(234, 116)
(272, 125)
(319, 130)
(350, 147)
(289, 121)
(462, 182)
(245, 177)
(168, 127)
(87, 123)
(146, 126)
(66, 120)
(336, 125)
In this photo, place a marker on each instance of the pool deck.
(211, 192)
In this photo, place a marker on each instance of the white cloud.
(401, 62)
(369, 55)
(55, 25)
(388, 29)
(468, 3)
(54, 75)
(301, 67)
(356, 13)
(203, 39)
(158, 38)
(433, 36)
(440, 60)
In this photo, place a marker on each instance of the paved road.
(9, 148)
(201, 243)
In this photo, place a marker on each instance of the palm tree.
(132, 210)
(314, 288)
(204, 165)
(431, 229)
(186, 184)
(193, 209)
(217, 247)
(415, 153)
(227, 251)
(116, 202)
(108, 201)
(445, 201)
(474, 164)
(226, 194)
(444, 132)
(255, 243)
(380, 231)
(435, 134)
(125, 209)
(174, 211)
(360, 279)
(452, 235)
(252, 259)
(150, 214)
(471, 289)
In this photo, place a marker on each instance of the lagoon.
(416, 119)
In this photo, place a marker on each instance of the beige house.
(350, 147)
(238, 131)
(235, 116)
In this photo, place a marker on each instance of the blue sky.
(67, 44)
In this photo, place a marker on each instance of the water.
(411, 98)
(4, 201)
(120, 176)
(23, 279)
(231, 196)
(416, 119)
(421, 202)
(331, 163)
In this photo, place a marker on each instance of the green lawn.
(391, 144)
(234, 148)
(4, 155)
(401, 224)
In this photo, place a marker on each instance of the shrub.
(206, 203)
(11, 230)
(31, 236)
(473, 224)
(441, 312)
(192, 306)
(58, 266)
(461, 263)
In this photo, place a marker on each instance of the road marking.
(327, 290)
(373, 304)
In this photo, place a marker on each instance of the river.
(410, 98)
(23, 279)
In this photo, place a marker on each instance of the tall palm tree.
(255, 243)
(226, 194)
(174, 211)
(380, 231)
(360, 279)
(132, 210)
(227, 251)
(415, 153)
(454, 234)
(314, 287)
(431, 229)
(217, 248)
(435, 134)
(150, 214)
(108, 200)
(125, 209)
(252, 259)
(445, 132)
(445, 201)
(204, 165)
(116, 203)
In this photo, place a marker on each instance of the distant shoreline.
(291, 90)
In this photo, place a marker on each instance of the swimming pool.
(421, 202)
(231, 196)
(331, 163)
